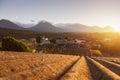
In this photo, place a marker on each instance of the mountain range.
(8, 24)
(45, 26)
(84, 28)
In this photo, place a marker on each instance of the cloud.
(32, 20)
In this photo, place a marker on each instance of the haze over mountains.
(84, 28)
(45, 26)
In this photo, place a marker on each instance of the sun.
(117, 29)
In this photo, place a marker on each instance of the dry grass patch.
(80, 71)
(100, 72)
(35, 66)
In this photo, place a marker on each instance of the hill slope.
(44, 26)
(84, 28)
(8, 24)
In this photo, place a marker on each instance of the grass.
(39, 66)
(33, 66)
(80, 71)
(101, 72)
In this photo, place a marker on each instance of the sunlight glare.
(117, 29)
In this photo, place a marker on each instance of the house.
(61, 41)
(44, 38)
(23, 39)
(33, 39)
(45, 42)
(79, 41)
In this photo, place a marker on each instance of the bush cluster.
(12, 44)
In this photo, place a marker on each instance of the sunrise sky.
(88, 12)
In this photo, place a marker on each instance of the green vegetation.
(53, 41)
(45, 47)
(12, 44)
(51, 48)
(112, 48)
(38, 39)
(95, 41)
(0, 46)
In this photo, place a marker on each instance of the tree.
(0, 46)
(12, 44)
(53, 41)
(38, 39)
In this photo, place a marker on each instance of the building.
(79, 41)
(23, 39)
(61, 41)
(45, 42)
(33, 39)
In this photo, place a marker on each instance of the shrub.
(12, 44)
(0, 46)
(53, 41)
(96, 53)
(38, 39)
(47, 47)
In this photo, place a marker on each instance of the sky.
(89, 12)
